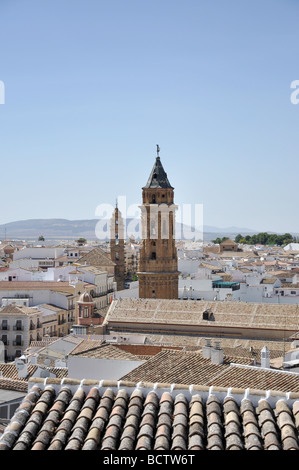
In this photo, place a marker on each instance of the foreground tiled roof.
(90, 415)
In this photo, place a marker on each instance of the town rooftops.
(15, 309)
(228, 241)
(170, 366)
(96, 257)
(150, 312)
(39, 285)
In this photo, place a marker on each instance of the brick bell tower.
(158, 265)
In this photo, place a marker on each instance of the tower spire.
(158, 177)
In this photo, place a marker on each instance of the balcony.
(18, 328)
(4, 327)
(226, 285)
(102, 294)
(18, 343)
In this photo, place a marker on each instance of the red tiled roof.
(88, 415)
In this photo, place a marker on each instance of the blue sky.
(92, 86)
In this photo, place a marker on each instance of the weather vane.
(158, 150)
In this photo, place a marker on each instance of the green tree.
(81, 241)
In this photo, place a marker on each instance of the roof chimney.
(216, 354)
(206, 349)
(265, 358)
(21, 364)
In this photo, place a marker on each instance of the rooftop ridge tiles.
(226, 421)
(239, 394)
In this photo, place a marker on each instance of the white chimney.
(265, 358)
(33, 360)
(216, 354)
(22, 367)
(206, 350)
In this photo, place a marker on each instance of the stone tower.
(86, 306)
(117, 247)
(158, 265)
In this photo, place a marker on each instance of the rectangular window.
(18, 340)
(4, 340)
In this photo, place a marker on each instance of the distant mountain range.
(63, 229)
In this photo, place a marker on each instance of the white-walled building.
(19, 325)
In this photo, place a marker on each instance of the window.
(293, 292)
(153, 227)
(18, 325)
(4, 340)
(18, 340)
(4, 325)
(153, 255)
(86, 312)
(164, 229)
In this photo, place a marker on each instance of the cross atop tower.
(158, 150)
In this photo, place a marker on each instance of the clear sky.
(91, 86)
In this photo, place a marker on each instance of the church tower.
(117, 247)
(158, 265)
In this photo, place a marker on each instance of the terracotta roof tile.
(126, 417)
